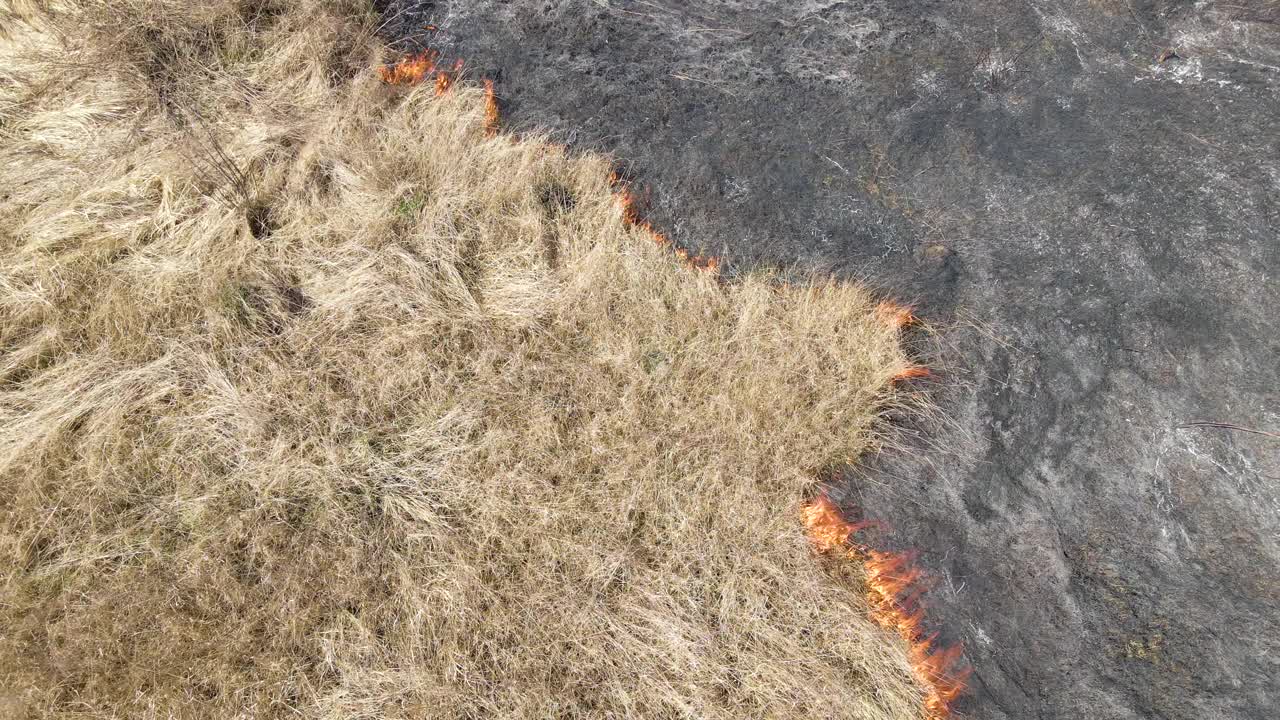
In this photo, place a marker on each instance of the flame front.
(411, 70)
(894, 586)
(414, 69)
(631, 216)
(894, 583)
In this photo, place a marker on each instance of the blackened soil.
(1084, 196)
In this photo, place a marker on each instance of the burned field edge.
(896, 585)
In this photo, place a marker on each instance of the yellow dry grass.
(315, 401)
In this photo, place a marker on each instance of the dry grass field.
(317, 400)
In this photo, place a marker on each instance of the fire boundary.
(894, 583)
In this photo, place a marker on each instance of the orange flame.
(894, 586)
(632, 218)
(411, 70)
(492, 117)
(416, 68)
(898, 316)
(443, 82)
(445, 79)
(910, 373)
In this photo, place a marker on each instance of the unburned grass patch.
(316, 399)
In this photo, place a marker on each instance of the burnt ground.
(1083, 197)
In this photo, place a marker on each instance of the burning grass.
(318, 399)
(894, 584)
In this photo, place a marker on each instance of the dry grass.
(316, 401)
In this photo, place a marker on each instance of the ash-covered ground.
(1083, 196)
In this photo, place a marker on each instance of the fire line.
(894, 585)
(893, 580)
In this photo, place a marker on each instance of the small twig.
(1141, 25)
(833, 162)
(1229, 426)
(680, 76)
(1199, 139)
(1025, 48)
(607, 6)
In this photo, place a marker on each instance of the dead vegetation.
(315, 400)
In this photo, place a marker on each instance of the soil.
(1082, 198)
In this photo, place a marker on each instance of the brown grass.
(316, 401)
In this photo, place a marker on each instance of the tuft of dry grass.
(316, 400)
